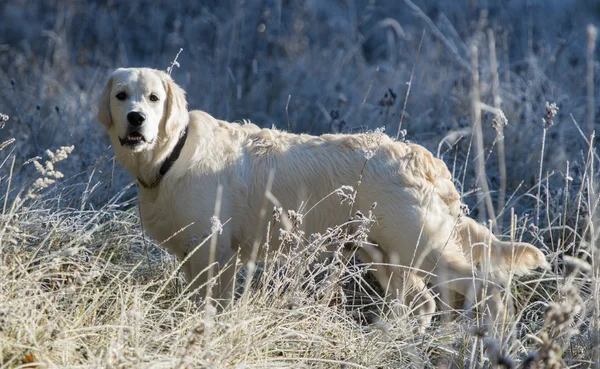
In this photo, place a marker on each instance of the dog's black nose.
(135, 118)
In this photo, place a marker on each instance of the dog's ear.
(176, 115)
(104, 115)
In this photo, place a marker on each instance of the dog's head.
(141, 107)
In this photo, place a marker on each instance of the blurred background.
(314, 66)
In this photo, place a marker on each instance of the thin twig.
(174, 63)
(287, 115)
(213, 245)
(591, 46)
(483, 197)
(548, 120)
(499, 126)
(10, 176)
(412, 72)
(539, 191)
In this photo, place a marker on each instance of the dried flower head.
(277, 214)
(3, 119)
(499, 121)
(216, 225)
(402, 134)
(374, 138)
(48, 173)
(551, 111)
(346, 194)
(559, 326)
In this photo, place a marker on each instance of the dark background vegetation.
(313, 66)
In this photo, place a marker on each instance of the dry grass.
(81, 289)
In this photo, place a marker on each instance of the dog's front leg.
(211, 274)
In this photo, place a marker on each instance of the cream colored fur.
(419, 222)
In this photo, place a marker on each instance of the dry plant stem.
(213, 245)
(593, 219)
(174, 63)
(287, 115)
(208, 306)
(87, 192)
(506, 60)
(465, 166)
(412, 72)
(500, 128)
(540, 180)
(362, 170)
(483, 197)
(12, 167)
(476, 127)
(580, 199)
(55, 130)
(485, 270)
(112, 176)
(508, 300)
(565, 207)
(473, 352)
(2, 234)
(582, 134)
(548, 211)
(591, 46)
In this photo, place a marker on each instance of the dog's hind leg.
(438, 259)
(452, 273)
(402, 285)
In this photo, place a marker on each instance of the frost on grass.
(79, 288)
(3, 119)
(102, 304)
(216, 225)
(48, 173)
(346, 194)
(126, 317)
(551, 111)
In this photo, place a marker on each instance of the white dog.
(180, 158)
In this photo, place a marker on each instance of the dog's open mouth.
(132, 139)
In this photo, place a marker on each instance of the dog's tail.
(518, 257)
(504, 256)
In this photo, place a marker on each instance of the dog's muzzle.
(132, 139)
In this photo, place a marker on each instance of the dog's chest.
(162, 221)
(175, 214)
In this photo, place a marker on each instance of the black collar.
(169, 161)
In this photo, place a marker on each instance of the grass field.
(506, 93)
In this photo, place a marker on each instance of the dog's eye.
(153, 97)
(121, 96)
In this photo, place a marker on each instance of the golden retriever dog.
(181, 158)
